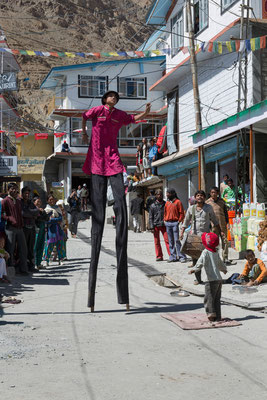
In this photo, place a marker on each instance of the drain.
(164, 280)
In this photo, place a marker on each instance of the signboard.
(8, 81)
(8, 165)
(31, 165)
(264, 9)
(57, 184)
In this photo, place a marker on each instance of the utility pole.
(201, 161)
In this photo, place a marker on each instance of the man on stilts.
(102, 163)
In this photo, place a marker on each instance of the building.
(226, 150)
(80, 87)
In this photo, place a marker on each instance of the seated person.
(255, 271)
(65, 147)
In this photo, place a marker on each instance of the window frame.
(223, 10)
(180, 17)
(129, 97)
(99, 96)
(205, 27)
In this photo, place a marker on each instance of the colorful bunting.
(59, 134)
(20, 134)
(212, 47)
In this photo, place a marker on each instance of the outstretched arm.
(143, 114)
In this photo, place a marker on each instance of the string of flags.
(210, 46)
(39, 136)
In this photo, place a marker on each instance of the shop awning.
(255, 115)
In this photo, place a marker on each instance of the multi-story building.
(80, 87)
(218, 80)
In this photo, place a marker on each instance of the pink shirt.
(103, 155)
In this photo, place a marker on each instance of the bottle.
(246, 210)
(253, 210)
(260, 210)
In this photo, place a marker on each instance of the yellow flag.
(30, 52)
(113, 53)
(220, 47)
(229, 47)
(72, 55)
(253, 44)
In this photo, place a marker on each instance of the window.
(92, 86)
(76, 137)
(131, 135)
(134, 88)
(177, 35)
(201, 14)
(226, 4)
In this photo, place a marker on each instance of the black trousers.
(212, 299)
(15, 237)
(74, 221)
(29, 234)
(98, 200)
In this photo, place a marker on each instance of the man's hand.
(148, 108)
(85, 138)
(182, 234)
(191, 272)
(250, 283)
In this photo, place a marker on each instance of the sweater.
(174, 211)
(12, 212)
(212, 264)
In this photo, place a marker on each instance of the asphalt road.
(52, 347)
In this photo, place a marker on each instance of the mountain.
(64, 25)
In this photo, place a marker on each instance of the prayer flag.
(60, 54)
(19, 134)
(59, 134)
(31, 53)
(139, 53)
(122, 53)
(23, 52)
(215, 47)
(71, 55)
(220, 49)
(54, 54)
(80, 54)
(263, 42)
(242, 46)
(229, 47)
(257, 43)
(114, 53)
(248, 45)
(41, 136)
(252, 44)
(210, 47)
(203, 46)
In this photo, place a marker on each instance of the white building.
(218, 78)
(80, 87)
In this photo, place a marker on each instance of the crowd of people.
(31, 234)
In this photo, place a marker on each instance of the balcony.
(6, 145)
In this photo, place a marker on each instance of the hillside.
(64, 25)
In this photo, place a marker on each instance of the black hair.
(230, 180)
(152, 191)
(248, 252)
(200, 192)
(50, 195)
(36, 198)
(11, 185)
(25, 189)
(215, 188)
(226, 175)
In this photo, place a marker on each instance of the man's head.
(84, 185)
(37, 202)
(230, 182)
(13, 190)
(110, 98)
(73, 191)
(200, 197)
(25, 192)
(171, 194)
(214, 192)
(152, 192)
(144, 140)
(250, 256)
(159, 195)
(138, 147)
(152, 142)
(79, 187)
(225, 177)
(51, 200)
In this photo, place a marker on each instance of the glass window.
(201, 13)
(92, 86)
(132, 87)
(131, 135)
(76, 137)
(227, 3)
(177, 35)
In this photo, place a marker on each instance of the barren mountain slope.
(64, 25)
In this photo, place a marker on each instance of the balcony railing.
(6, 145)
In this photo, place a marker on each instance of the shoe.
(159, 259)
(47, 263)
(60, 262)
(198, 283)
(230, 262)
(169, 261)
(183, 260)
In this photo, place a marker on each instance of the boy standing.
(212, 263)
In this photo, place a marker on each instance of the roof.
(149, 42)
(157, 12)
(53, 82)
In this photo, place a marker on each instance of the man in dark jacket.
(137, 205)
(12, 214)
(29, 214)
(75, 208)
(156, 223)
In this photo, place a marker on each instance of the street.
(52, 347)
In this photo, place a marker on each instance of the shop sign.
(31, 165)
(57, 184)
(8, 165)
(8, 81)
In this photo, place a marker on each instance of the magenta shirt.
(103, 155)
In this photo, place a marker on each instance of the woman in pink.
(102, 163)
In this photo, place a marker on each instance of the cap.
(105, 96)
(210, 241)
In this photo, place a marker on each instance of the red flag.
(2, 131)
(141, 120)
(39, 136)
(19, 134)
(59, 134)
(210, 47)
(139, 53)
(237, 45)
(263, 42)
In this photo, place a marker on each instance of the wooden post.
(251, 163)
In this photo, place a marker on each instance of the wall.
(31, 147)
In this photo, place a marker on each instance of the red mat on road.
(193, 321)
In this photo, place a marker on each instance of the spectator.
(199, 216)
(156, 223)
(64, 225)
(40, 222)
(152, 155)
(255, 271)
(12, 214)
(55, 234)
(173, 215)
(149, 201)
(29, 214)
(144, 153)
(212, 263)
(79, 190)
(224, 184)
(84, 196)
(65, 147)
(137, 205)
(220, 210)
(75, 209)
(139, 161)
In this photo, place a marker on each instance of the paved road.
(53, 348)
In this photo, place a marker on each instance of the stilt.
(92, 309)
(127, 307)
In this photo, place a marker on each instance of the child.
(212, 263)
(4, 256)
(254, 271)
